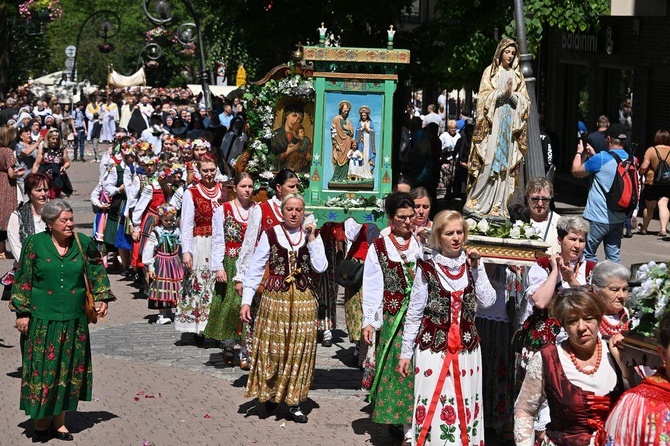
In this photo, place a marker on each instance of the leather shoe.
(244, 364)
(62, 436)
(297, 415)
(327, 343)
(41, 436)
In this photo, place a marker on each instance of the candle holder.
(391, 34)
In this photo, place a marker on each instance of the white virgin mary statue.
(499, 142)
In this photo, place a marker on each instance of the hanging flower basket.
(153, 64)
(160, 36)
(41, 10)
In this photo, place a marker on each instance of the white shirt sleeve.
(149, 250)
(486, 294)
(132, 185)
(187, 223)
(249, 243)
(95, 195)
(141, 205)
(317, 255)
(415, 308)
(218, 240)
(177, 198)
(373, 290)
(13, 237)
(528, 403)
(109, 182)
(254, 275)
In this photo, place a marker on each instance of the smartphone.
(43, 132)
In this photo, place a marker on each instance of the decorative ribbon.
(454, 346)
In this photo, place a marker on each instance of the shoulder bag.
(91, 314)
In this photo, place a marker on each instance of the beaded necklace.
(579, 368)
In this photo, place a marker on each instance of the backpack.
(662, 171)
(623, 194)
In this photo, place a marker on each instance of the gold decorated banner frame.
(365, 55)
(370, 76)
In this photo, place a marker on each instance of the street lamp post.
(164, 16)
(106, 30)
(534, 159)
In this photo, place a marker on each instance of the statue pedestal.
(508, 251)
(640, 351)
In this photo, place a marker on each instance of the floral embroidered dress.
(196, 239)
(50, 289)
(161, 254)
(229, 224)
(145, 216)
(641, 417)
(284, 344)
(387, 282)
(447, 357)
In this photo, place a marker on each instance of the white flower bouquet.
(651, 300)
(517, 230)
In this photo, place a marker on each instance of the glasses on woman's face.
(536, 200)
(403, 218)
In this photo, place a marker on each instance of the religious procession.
(314, 223)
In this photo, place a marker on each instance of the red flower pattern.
(448, 415)
(420, 414)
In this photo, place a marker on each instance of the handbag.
(349, 273)
(91, 314)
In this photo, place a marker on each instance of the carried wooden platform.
(508, 251)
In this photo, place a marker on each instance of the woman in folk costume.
(110, 115)
(387, 281)
(145, 211)
(284, 346)
(641, 417)
(229, 224)
(114, 184)
(199, 203)
(499, 141)
(264, 216)
(164, 268)
(441, 322)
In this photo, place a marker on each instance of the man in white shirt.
(449, 138)
(432, 117)
(145, 108)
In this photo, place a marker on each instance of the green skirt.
(224, 314)
(57, 367)
(394, 399)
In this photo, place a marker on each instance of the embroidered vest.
(575, 413)
(268, 218)
(395, 282)
(234, 232)
(157, 199)
(434, 330)
(279, 268)
(203, 212)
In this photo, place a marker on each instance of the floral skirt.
(165, 289)
(146, 227)
(445, 427)
(57, 367)
(353, 313)
(284, 347)
(196, 296)
(224, 315)
(394, 395)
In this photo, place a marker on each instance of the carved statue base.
(508, 251)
